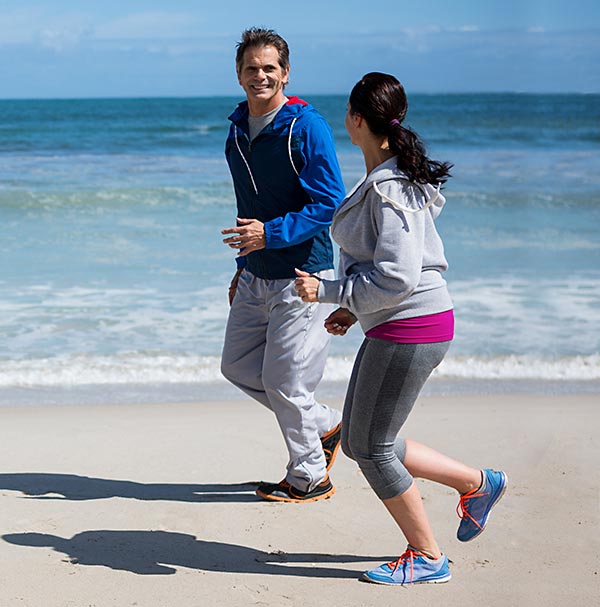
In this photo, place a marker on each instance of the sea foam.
(140, 369)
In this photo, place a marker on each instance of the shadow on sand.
(80, 488)
(161, 552)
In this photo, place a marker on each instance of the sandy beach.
(154, 506)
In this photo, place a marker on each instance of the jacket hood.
(433, 199)
(294, 107)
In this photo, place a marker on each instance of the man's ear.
(286, 76)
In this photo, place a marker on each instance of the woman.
(391, 263)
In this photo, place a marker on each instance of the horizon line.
(241, 96)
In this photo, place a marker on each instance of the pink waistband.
(419, 330)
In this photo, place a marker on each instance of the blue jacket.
(289, 179)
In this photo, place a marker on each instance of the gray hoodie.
(391, 256)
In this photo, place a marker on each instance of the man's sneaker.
(284, 492)
(331, 444)
(474, 507)
(412, 567)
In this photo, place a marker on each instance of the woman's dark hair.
(380, 99)
(258, 37)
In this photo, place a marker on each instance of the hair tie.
(394, 121)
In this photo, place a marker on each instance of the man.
(287, 184)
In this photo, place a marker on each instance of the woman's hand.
(307, 286)
(339, 321)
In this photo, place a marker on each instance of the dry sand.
(154, 506)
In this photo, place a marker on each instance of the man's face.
(262, 78)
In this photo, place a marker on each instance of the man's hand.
(249, 236)
(306, 286)
(233, 285)
(339, 321)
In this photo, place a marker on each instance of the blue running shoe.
(412, 567)
(474, 507)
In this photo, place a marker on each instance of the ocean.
(113, 275)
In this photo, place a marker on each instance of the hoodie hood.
(432, 199)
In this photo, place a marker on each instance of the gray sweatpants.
(275, 351)
(386, 380)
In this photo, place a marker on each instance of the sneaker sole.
(337, 447)
(275, 498)
(441, 580)
(333, 456)
(487, 518)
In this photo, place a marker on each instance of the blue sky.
(108, 48)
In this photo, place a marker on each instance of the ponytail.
(412, 157)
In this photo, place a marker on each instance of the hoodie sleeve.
(322, 179)
(397, 259)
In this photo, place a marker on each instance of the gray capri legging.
(386, 380)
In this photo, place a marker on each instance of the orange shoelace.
(462, 509)
(407, 557)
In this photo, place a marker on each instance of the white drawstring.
(404, 209)
(289, 153)
(244, 159)
(290, 146)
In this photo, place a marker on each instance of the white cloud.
(43, 28)
(151, 24)
(536, 30)
(61, 30)
(61, 39)
(427, 59)
(469, 28)
(19, 26)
